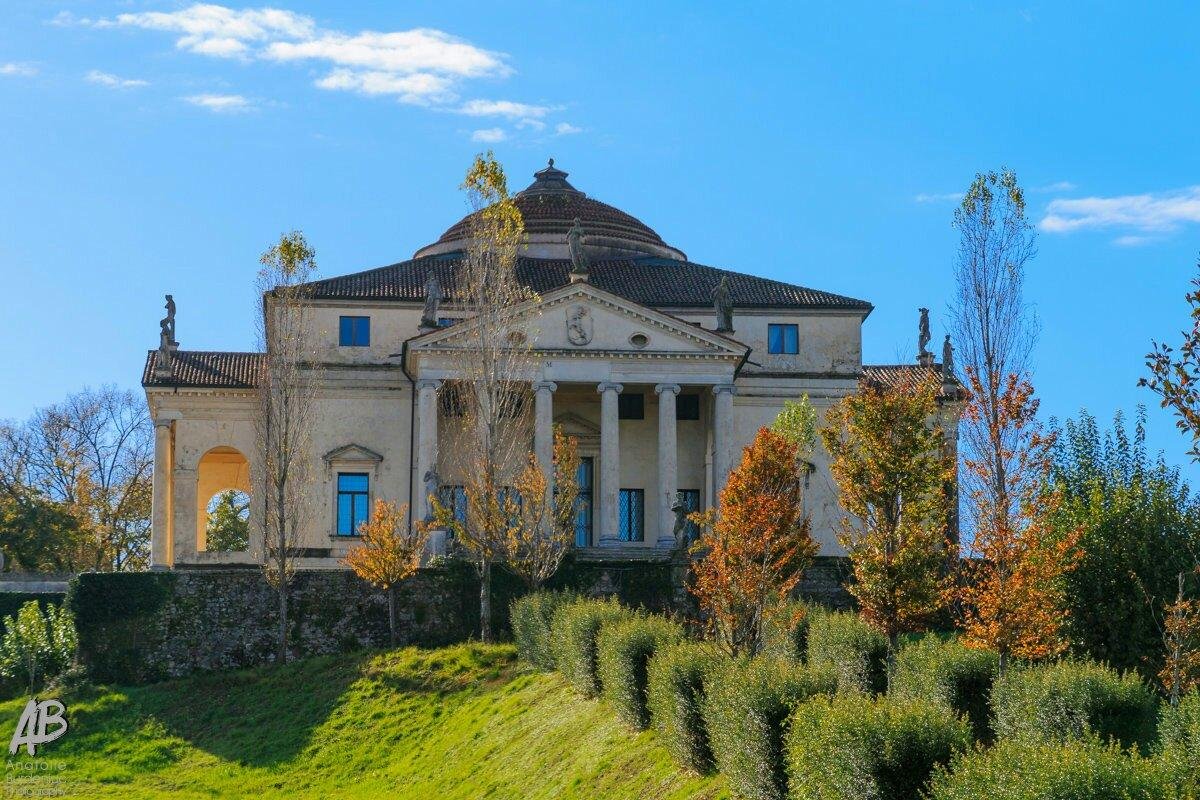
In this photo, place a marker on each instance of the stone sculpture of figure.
(723, 305)
(166, 333)
(171, 319)
(579, 259)
(433, 298)
(680, 510)
(432, 484)
(947, 358)
(923, 335)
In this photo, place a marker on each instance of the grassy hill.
(460, 722)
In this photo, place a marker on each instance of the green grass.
(461, 722)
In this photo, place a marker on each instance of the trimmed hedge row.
(624, 649)
(575, 629)
(785, 633)
(852, 746)
(746, 713)
(1073, 700)
(679, 678)
(854, 650)
(1179, 741)
(531, 618)
(951, 674)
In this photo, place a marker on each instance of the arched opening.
(223, 497)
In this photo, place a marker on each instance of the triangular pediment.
(579, 318)
(352, 453)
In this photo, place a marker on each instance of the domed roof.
(549, 206)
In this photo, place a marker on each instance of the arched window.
(228, 526)
(223, 500)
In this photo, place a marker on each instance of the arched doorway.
(223, 500)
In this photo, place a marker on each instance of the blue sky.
(152, 147)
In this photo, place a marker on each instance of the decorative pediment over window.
(351, 454)
(586, 432)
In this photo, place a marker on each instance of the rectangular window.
(631, 406)
(354, 331)
(446, 322)
(783, 338)
(353, 502)
(687, 406)
(454, 498)
(691, 503)
(585, 477)
(633, 515)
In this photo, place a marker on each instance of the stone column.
(543, 434)
(610, 463)
(668, 483)
(160, 519)
(722, 437)
(184, 510)
(427, 441)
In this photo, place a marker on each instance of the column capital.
(163, 422)
(428, 383)
(548, 386)
(724, 387)
(609, 386)
(673, 388)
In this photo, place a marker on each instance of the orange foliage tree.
(1181, 638)
(757, 546)
(1012, 597)
(891, 467)
(388, 552)
(541, 527)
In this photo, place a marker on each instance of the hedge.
(623, 650)
(531, 617)
(949, 673)
(1073, 700)
(1179, 741)
(576, 626)
(111, 609)
(785, 633)
(746, 712)
(845, 643)
(852, 746)
(678, 679)
(1075, 770)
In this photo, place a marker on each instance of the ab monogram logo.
(40, 723)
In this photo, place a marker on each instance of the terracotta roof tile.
(206, 369)
(911, 377)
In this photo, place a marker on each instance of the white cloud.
(417, 88)
(489, 135)
(1133, 241)
(504, 108)
(566, 129)
(1160, 212)
(1057, 186)
(220, 103)
(416, 50)
(944, 197)
(14, 68)
(112, 81)
(215, 30)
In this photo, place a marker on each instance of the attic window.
(639, 340)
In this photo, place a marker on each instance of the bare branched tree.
(994, 329)
(285, 416)
(493, 372)
(91, 456)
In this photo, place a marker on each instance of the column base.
(609, 541)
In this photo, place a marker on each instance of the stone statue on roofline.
(723, 305)
(167, 344)
(433, 299)
(923, 337)
(579, 259)
(947, 359)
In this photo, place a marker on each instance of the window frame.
(622, 534)
(624, 403)
(353, 494)
(585, 500)
(786, 348)
(693, 399)
(691, 530)
(350, 326)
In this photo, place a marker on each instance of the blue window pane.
(353, 502)
(345, 525)
(584, 476)
(791, 339)
(774, 339)
(352, 482)
(691, 503)
(360, 511)
(354, 331)
(783, 339)
(632, 516)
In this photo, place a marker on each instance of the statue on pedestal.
(947, 359)
(579, 259)
(723, 305)
(433, 299)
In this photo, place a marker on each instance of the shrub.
(1179, 741)
(624, 649)
(573, 641)
(785, 635)
(1079, 770)
(951, 674)
(37, 646)
(746, 714)
(854, 650)
(531, 617)
(678, 679)
(1070, 700)
(850, 747)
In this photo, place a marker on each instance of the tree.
(542, 524)
(228, 528)
(890, 464)
(994, 332)
(90, 457)
(1180, 672)
(286, 394)
(756, 547)
(797, 422)
(1014, 596)
(36, 646)
(492, 371)
(389, 551)
(1139, 529)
